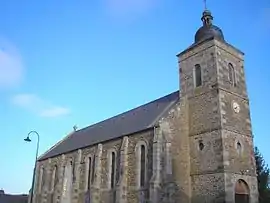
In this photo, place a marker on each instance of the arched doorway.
(241, 192)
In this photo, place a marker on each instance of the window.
(143, 166)
(90, 171)
(141, 154)
(64, 178)
(239, 148)
(113, 169)
(73, 175)
(93, 169)
(201, 145)
(197, 75)
(111, 164)
(231, 74)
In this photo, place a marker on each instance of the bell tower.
(222, 165)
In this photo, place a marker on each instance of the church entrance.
(241, 192)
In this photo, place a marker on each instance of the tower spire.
(207, 16)
(205, 5)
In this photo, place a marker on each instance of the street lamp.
(27, 139)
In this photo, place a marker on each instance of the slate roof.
(135, 120)
(7, 198)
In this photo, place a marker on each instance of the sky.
(66, 63)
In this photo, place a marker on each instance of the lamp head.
(27, 139)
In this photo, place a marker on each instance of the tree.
(263, 176)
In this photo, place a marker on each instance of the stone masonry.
(215, 126)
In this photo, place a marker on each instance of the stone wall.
(100, 192)
(206, 153)
(176, 184)
(134, 192)
(205, 56)
(208, 188)
(204, 113)
(221, 143)
(226, 54)
(238, 153)
(230, 181)
(232, 121)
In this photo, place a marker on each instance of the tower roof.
(208, 30)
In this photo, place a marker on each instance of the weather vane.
(75, 127)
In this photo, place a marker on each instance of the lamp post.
(27, 139)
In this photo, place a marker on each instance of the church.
(194, 145)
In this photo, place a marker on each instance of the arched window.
(231, 74)
(93, 169)
(89, 173)
(197, 75)
(90, 167)
(111, 169)
(239, 147)
(143, 166)
(73, 175)
(141, 154)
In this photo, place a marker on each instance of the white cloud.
(11, 66)
(128, 8)
(55, 111)
(38, 106)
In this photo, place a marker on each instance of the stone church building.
(194, 145)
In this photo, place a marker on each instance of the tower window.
(239, 147)
(197, 75)
(201, 145)
(231, 74)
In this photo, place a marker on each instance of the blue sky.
(78, 62)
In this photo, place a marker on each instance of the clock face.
(236, 107)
